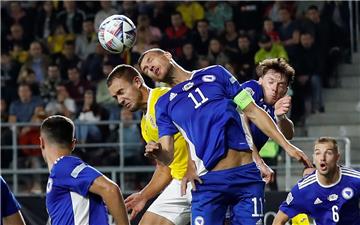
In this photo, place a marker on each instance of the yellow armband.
(243, 99)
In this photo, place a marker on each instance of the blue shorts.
(240, 188)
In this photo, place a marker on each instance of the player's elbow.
(168, 159)
(110, 189)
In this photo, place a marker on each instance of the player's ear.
(168, 55)
(42, 144)
(72, 145)
(137, 81)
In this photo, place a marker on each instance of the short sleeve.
(9, 205)
(230, 83)
(163, 120)
(254, 89)
(292, 206)
(78, 178)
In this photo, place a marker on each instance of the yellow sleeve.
(300, 219)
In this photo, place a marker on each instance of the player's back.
(202, 108)
(328, 205)
(149, 131)
(68, 199)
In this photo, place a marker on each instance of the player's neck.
(330, 178)
(177, 75)
(52, 158)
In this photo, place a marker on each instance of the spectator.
(37, 61)
(6, 136)
(269, 50)
(16, 37)
(216, 54)
(191, 12)
(58, 37)
(272, 12)
(201, 37)
(202, 62)
(48, 87)
(245, 59)
(309, 65)
(106, 11)
(27, 76)
(142, 42)
(268, 28)
(133, 148)
(76, 86)
(92, 67)
(19, 16)
(71, 17)
(247, 16)
(63, 104)
(23, 109)
(288, 31)
(67, 59)
(90, 112)
(152, 32)
(217, 14)
(103, 98)
(189, 57)
(129, 9)
(9, 73)
(45, 20)
(229, 39)
(86, 42)
(176, 34)
(161, 14)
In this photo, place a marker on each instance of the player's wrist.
(279, 118)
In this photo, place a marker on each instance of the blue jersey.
(256, 91)
(203, 110)
(327, 205)
(68, 199)
(9, 205)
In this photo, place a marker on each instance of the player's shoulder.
(156, 93)
(210, 70)
(306, 182)
(65, 165)
(251, 86)
(350, 173)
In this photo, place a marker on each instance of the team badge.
(208, 78)
(49, 185)
(188, 86)
(333, 197)
(347, 193)
(199, 220)
(250, 91)
(289, 198)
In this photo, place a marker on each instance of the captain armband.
(243, 99)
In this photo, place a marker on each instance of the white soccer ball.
(117, 33)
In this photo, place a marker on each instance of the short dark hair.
(59, 130)
(156, 50)
(126, 71)
(279, 65)
(313, 7)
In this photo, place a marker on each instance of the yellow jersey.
(300, 219)
(149, 131)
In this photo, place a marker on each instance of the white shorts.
(171, 205)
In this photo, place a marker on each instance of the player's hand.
(136, 203)
(282, 106)
(299, 155)
(190, 176)
(152, 150)
(267, 173)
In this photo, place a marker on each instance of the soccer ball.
(117, 33)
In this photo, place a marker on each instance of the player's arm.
(14, 219)
(263, 121)
(280, 219)
(286, 126)
(162, 150)
(160, 179)
(111, 195)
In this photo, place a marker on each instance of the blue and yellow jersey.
(300, 219)
(149, 131)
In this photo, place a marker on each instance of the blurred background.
(52, 63)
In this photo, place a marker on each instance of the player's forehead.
(118, 84)
(324, 146)
(275, 75)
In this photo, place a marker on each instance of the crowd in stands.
(52, 63)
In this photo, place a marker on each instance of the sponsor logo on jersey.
(172, 96)
(49, 185)
(188, 86)
(199, 220)
(333, 197)
(347, 193)
(317, 201)
(259, 222)
(208, 78)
